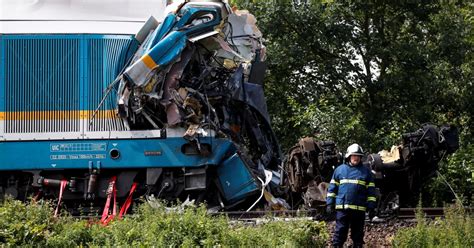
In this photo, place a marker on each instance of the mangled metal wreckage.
(201, 72)
(199, 75)
(399, 173)
(185, 117)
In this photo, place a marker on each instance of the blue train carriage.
(103, 102)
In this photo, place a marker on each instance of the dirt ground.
(376, 234)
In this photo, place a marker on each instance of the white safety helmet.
(354, 149)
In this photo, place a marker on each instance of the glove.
(330, 209)
(371, 214)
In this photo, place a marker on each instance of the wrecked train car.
(200, 75)
(175, 111)
(399, 173)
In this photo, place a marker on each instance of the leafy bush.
(34, 225)
(277, 234)
(456, 230)
(458, 170)
(25, 225)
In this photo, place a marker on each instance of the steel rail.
(315, 214)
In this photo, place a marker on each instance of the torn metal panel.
(244, 24)
(163, 29)
(161, 55)
(150, 25)
(235, 85)
(246, 37)
(255, 97)
(171, 83)
(236, 180)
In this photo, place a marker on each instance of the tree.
(367, 72)
(350, 69)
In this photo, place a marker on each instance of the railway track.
(315, 214)
(410, 213)
(275, 213)
(319, 214)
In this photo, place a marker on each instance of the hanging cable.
(451, 188)
(259, 198)
(268, 178)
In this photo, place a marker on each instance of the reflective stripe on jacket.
(352, 187)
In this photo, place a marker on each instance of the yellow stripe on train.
(148, 61)
(56, 115)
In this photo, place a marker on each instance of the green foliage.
(367, 72)
(385, 68)
(34, 225)
(327, 122)
(458, 171)
(456, 230)
(25, 225)
(275, 234)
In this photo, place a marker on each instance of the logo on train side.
(78, 147)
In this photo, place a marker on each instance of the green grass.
(34, 225)
(455, 230)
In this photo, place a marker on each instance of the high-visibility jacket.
(352, 187)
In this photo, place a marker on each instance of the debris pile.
(399, 173)
(310, 166)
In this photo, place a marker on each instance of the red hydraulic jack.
(112, 194)
(111, 198)
(62, 187)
